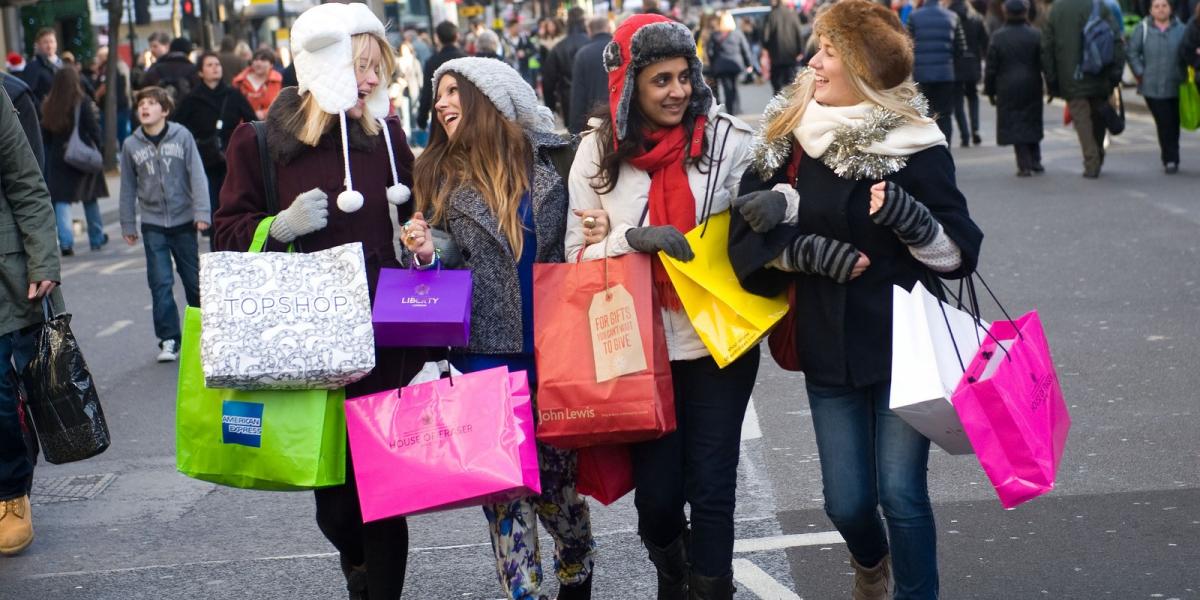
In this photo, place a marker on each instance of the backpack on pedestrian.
(1099, 42)
(178, 87)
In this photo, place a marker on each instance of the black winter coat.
(1014, 79)
(844, 331)
(175, 72)
(1191, 45)
(967, 67)
(201, 110)
(783, 36)
(39, 75)
(589, 82)
(556, 72)
(66, 183)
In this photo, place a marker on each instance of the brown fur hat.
(872, 42)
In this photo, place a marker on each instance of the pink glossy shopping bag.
(1012, 409)
(461, 441)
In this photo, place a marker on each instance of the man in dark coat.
(938, 40)
(589, 80)
(39, 72)
(783, 39)
(174, 72)
(447, 36)
(1087, 96)
(556, 73)
(29, 271)
(1013, 83)
(967, 71)
(28, 111)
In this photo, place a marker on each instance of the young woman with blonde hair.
(329, 139)
(852, 193)
(487, 182)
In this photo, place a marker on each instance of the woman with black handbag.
(65, 110)
(211, 112)
(873, 205)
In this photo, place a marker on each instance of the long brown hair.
(634, 144)
(488, 152)
(58, 109)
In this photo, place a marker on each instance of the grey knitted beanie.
(501, 83)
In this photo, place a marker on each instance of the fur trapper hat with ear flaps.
(324, 59)
(642, 40)
(870, 40)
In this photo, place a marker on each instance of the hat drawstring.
(398, 193)
(349, 200)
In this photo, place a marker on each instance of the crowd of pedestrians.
(656, 149)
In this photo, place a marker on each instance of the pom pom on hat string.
(349, 201)
(398, 193)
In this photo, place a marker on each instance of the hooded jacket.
(167, 181)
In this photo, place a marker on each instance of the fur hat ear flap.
(322, 39)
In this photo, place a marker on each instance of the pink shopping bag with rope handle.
(464, 440)
(1012, 409)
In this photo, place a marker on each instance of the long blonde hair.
(312, 122)
(488, 152)
(800, 93)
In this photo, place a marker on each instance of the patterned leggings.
(563, 512)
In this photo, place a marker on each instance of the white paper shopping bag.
(274, 320)
(927, 363)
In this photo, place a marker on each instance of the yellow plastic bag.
(729, 319)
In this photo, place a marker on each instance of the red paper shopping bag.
(603, 372)
(605, 473)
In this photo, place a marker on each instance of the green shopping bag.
(1189, 103)
(260, 440)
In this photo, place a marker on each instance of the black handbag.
(61, 394)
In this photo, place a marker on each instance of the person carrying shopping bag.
(852, 193)
(68, 111)
(488, 185)
(655, 167)
(327, 139)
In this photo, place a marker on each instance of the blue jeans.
(163, 244)
(66, 232)
(15, 467)
(871, 458)
(697, 464)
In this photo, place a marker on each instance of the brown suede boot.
(16, 525)
(874, 583)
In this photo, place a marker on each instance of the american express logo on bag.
(241, 423)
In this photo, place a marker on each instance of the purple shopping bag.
(1012, 409)
(447, 443)
(422, 308)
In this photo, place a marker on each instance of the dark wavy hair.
(58, 109)
(634, 144)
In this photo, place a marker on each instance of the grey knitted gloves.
(763, 210)
(818, 255)
(911, 220)
(662, 237)
(309, 212)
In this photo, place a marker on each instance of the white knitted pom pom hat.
(324, 59)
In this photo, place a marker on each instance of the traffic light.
(141, 12)
(190, 10)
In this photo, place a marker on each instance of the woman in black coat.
(66, 183)
(211, 112)
(1013, 83)
(853, 193)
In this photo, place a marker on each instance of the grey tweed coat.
(476, 243)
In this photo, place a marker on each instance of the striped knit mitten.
(818, 255)
(911, 220)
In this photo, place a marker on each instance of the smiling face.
(832, 80)
(368, 61)
(448, 105)
(664, 90)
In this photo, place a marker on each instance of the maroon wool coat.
(300, 168)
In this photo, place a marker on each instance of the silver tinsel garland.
(847, 154)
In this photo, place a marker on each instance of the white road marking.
(779, 542)
(115, 327)
(750, 428)
(759, 583)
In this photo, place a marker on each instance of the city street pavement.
(1112, 266)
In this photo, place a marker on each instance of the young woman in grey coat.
(488, 184)
(1154, 59)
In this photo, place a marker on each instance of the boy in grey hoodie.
(161, 173)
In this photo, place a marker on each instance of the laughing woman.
(853, 192)
(488, 185)
(658, 164)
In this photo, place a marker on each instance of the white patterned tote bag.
(285, 321)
